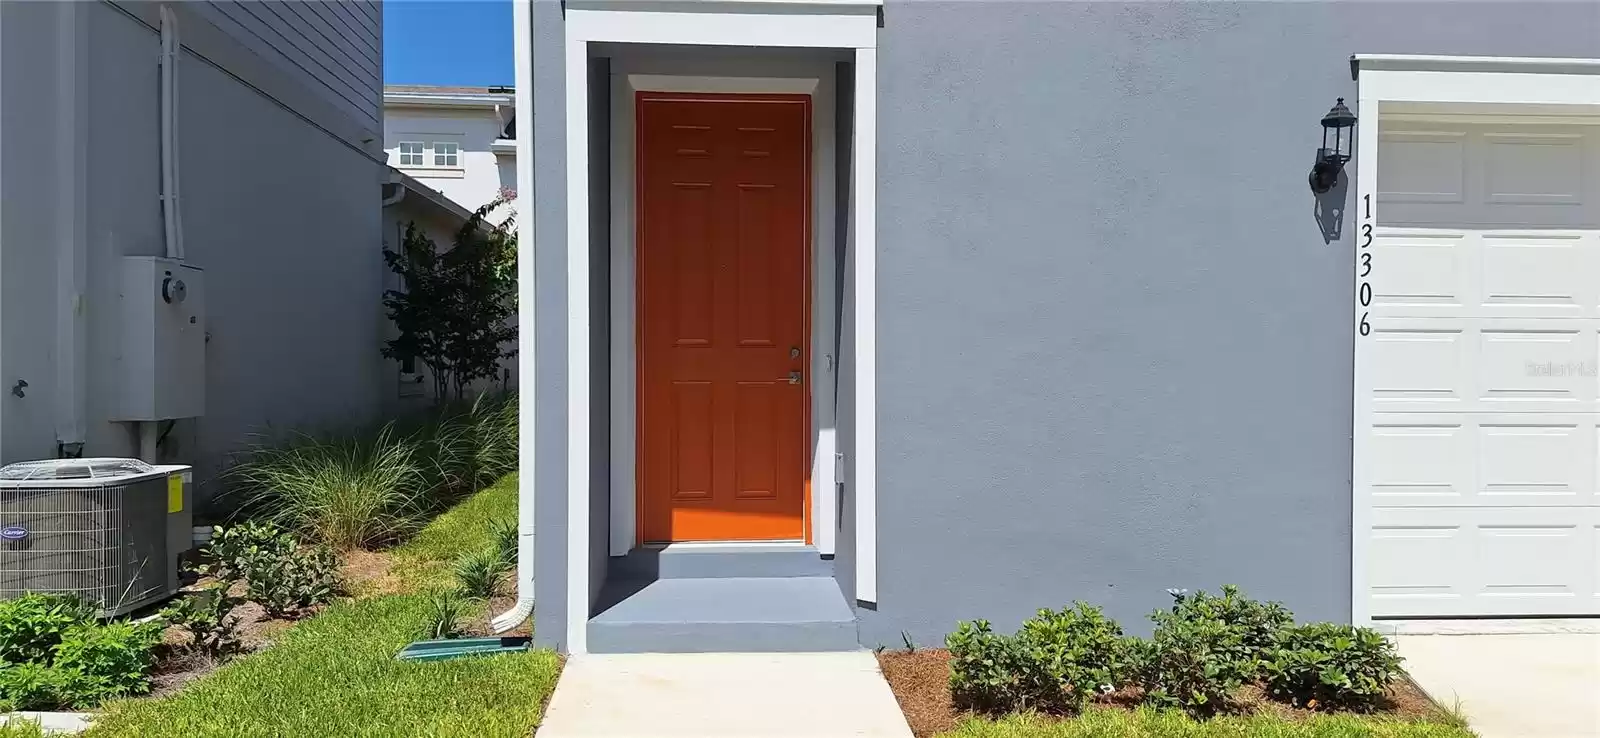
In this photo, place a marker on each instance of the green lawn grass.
(462, 529)
(1148, 723)
(335, 674)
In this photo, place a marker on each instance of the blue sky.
(447, 42)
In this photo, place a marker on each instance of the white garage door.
(1481, 372)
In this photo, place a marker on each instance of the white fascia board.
(844, 26)
(1432, 63)
(424, 100)
(504, 147)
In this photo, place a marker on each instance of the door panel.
(722, 241)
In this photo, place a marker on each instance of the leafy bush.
(1056, 662)
(104, 661)
(1187, 664)
(479, 574)
(1251, 626)
(347, 493)
(90, 663)
(1074, 653)
(32, 625)
(279, 574)
(34, 685)
(1334, 666)
(446, 609)
(985, 668)
(207, 616)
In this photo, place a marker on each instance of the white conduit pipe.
(522, 55)
(171, 50)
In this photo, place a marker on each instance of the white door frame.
(1440, 84)
(626, 79)
(804, 24)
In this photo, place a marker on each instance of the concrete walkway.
(747, 695)
(1544, 685)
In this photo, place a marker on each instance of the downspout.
(72, 103)
(522, 54)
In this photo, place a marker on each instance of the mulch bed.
(920, 681)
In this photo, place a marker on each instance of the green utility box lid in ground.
(455, 648)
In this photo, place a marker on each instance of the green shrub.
(1187, 664)
(1251, 626)
(207, 616)
(1056, 662)
(104, 661)
(32, 625)
(347, 492)
(279, 574)
(479, 574)
(445, 611)
(1334, 666)
(1074, 653)
(33, 685)
(985, 668)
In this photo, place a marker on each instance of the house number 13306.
(1364, 264)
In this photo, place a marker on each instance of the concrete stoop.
(722, 599)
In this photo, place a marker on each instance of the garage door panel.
(1419, 366)
(1487, 176)
(1418, 461)
(1535, 365)
(1482, 561)
(1459, 273)
(1482, 460)
(1535, 275)
(1482, 365)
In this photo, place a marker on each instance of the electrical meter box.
(163, 339)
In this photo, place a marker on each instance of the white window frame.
(839, 25)
(437, 154)
(1464, 84)
(421, 154)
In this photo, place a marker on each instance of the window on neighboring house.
(411, 153)
(446, 154)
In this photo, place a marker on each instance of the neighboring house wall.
(1144, 380)
(334, 48)
(481, 174)
(281, 213)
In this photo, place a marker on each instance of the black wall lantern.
(1331, 161)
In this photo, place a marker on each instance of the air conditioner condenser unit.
(110, 531)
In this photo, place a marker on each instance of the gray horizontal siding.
(334, 47)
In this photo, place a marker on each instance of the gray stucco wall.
(1114, 352)
(550, 321)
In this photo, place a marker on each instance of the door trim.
(821, 515)
(809, 228)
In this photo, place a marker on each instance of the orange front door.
(723, 332)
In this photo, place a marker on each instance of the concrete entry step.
(725, 614)
(704, 561)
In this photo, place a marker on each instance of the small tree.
(453, 310)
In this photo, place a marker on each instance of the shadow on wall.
(1328, 210)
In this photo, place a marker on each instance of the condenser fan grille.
(85, 540)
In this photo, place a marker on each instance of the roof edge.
(1432, 63)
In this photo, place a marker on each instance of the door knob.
(794, 377)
